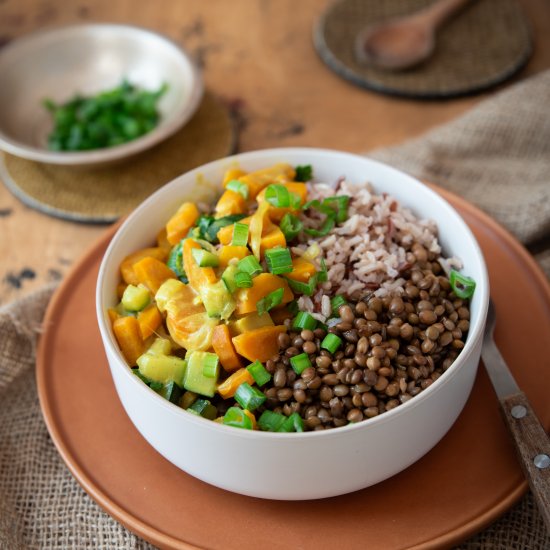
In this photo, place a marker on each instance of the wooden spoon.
(404, 42)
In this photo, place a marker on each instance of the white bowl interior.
(437, 406)
(87, 59)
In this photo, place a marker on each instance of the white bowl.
(88, 59)
(287, 466)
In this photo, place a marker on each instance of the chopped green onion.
(300, 363)
(175, 262)
(136, 298)
(156, 386)
(237, 418)
(330, 220)
(271, 300)
(462, 285)
(331, 342)
(293, 423)
(341, 202)
(243, 279)
(290, 226)
(204, 408)
(312, 204)
(295, 201)
(239, 187)
(304, 173)
(205, 258)
(336, 302)
(304, 288)
(271, 421)
(228, 277)
(304, 320)
(240, 234)
(211, 230)
(250, 265)
(293, 307)
(277, 195)
(211, 365)
(248, 397)
(325, 229)
(322, 275)
(278, 260)
(259, 373)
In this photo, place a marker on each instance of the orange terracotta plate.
(463, 484)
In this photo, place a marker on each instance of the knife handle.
(533, 447)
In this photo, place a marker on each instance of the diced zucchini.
(162, 368)
(204, 258)
(194, 379)
(228, 277)
(171, 391)
(160, 346)
(135, 298)
(187, 399)
(203, 408)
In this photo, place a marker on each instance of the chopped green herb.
(107, 119)
(304, 173)
(340, 205)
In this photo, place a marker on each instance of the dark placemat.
(483, 45)
(101, 195)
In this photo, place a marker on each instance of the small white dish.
(88, 59)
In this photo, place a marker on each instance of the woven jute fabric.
(497, 156)
(105, 194)
(481, 46)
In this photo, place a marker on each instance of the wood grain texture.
(531, 441)
(258, 56)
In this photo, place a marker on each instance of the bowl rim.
(161, 132)
(475, 334)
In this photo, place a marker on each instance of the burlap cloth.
(497, 156)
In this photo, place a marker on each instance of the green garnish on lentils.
(110, 118)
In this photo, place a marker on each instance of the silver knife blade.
(497, 369)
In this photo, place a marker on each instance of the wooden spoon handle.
(533, 447)
(440, 11)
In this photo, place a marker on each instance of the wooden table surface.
(255, 54)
